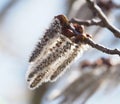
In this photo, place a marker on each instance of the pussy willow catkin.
(57, 49)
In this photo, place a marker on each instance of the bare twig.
(86, 22)
(103, 22)
(101, 48)
(117, 6)
(107, 5)
(93, 6)
(86, 39)
(6, 8)
(99, 62)
(38, 94)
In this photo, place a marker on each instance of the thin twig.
(103, 22)
(94, 7)
(117, 6)
(6, 8)
(101, 48)
(86, 22)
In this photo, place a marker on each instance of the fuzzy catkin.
(52, 55)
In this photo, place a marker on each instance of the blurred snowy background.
(22, 23)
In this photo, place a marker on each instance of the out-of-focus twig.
(107, 4)
(113, 77)
(90, 84)
(6, 8)
(90, 81)
(99, 62)
(38, 94)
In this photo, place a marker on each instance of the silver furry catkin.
(55, 51)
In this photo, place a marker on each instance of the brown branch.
(38, 94)
(87, 38)
(113, 29)
(103, 22)
(116, 6)
(97, 63)
(101, 48)
(86, 22)
(6, 8)
(106, 5)
(95, 8)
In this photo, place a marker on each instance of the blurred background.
(23, 22)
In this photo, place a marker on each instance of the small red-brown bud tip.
(68, 33)
(63, 19)
(79, 28)
(89, 36)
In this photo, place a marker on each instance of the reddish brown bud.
(68, 33)
(63, 20)
(78, 28)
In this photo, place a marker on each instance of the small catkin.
(53, 54)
